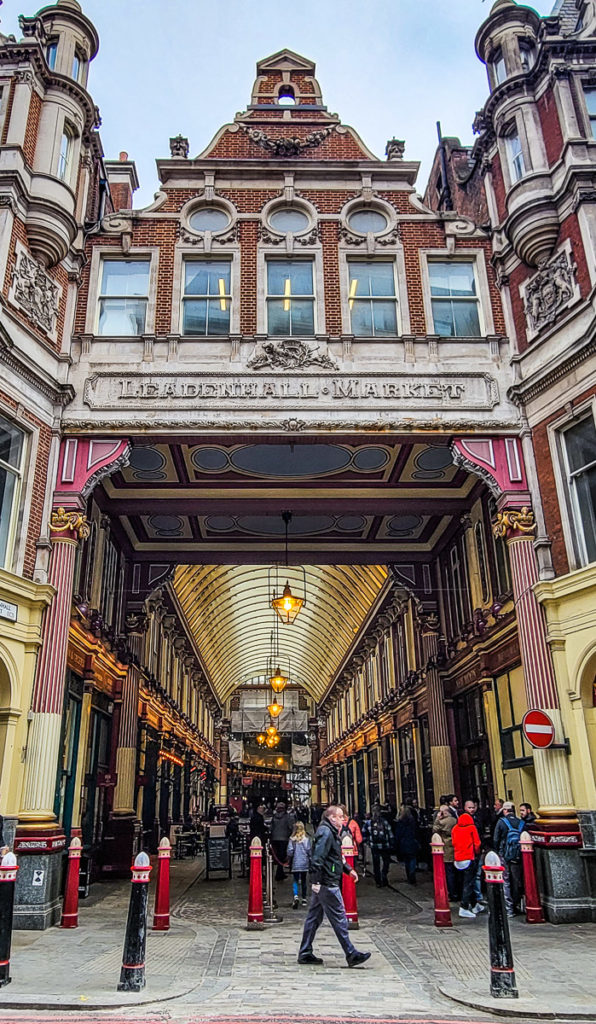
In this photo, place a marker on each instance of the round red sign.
(538, 728)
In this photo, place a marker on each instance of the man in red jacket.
(466, 850)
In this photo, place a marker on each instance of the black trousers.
(381, 860)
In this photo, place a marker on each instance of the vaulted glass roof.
(229, 616)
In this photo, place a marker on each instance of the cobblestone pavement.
(208, 967)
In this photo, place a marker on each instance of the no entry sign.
(538, 728)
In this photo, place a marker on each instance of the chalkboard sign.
(218, 855)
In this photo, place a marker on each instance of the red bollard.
(442, 909)
(255, 920)
(534, 913)
(161, 913)
(348, 885)
(70, 907)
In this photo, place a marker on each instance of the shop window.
(12, 453)
(123, 297)
(290, 297)
(372, 301)
(590, 98)
(472, 747)
(454, 298)
(407, 764)
(511, 708)
(457, 588)
(579, 446)
(207, 299)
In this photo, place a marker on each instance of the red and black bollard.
(161, 913)
(442, 908)
(8, 875)
(70, 907)
(132, 975)
(502, 973)
(254, 921)
(348, 885)
(534, 914)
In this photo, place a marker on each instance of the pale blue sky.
(387, 67)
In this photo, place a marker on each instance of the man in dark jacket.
(327, 866)
(506, 839)
(257, 824)
(281, 830)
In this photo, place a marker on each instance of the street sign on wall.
(538, 728)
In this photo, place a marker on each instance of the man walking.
(507, 843)
(327, 866)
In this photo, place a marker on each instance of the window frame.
(101, 296)
(589, 87)
(573, 528)
(187, 259)
(498, 61)
(350, 261)
(16, 515)
(51, 46)
(478, 260)
(64, 168)
(515, 155)
(291, 258)
(105, 252)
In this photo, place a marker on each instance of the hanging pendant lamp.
(288, 605)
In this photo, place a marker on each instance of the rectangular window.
(590, 97)
(517, 167)
(207, 298)
(12, 449)
(454, 299)
(65, 155)
(290, 297)
(51, 51)
(580, 458)
(123, 297)
(499, 66)
(372, 302)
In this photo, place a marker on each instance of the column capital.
(68, 525)
(514, 523)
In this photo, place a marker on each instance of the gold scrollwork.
(514, 520)
(62, 521)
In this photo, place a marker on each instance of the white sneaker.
(479, 908)
(466, 913)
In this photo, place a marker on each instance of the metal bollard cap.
(9, 860)
(142, 860)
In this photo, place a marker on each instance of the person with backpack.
(506, 840)
(377, 834)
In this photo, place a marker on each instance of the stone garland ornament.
(514, 520)
(36, 293)
(284, 147)
(549, 291)
(62, 521)
(289, 354)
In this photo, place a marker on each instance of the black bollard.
(502, 973)
(8, 874)
(132, 975)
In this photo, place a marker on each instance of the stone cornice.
(31, 372)
(550, 372)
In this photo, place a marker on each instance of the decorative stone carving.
(290, 354)
(35, 292)
(62, 522)
(285, 147)
(199, 239)
(514, 520)
(395, 148)
(549, 291)
(179, 147)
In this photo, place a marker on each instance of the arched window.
(286, 97)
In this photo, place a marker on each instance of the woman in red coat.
(466, 850)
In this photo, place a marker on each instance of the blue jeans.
(299, 881)
(328, 900)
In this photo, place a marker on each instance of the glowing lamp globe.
(272, 730)
(287, 606)
(271, 741)
(261, 738)
(277, 681)
(275, 709)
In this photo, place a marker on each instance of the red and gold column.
(67, 528)
(517, 527)
(440, 750)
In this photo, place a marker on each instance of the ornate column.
(313, 740)
(224, 753)
(517, 527)
(43, 748)
(440, 750)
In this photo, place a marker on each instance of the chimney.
(123, 180)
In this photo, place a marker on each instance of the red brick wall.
(121, 196)
(40, 472)
(551, 128)
(498, 186)
(32, 128)
(548, 489)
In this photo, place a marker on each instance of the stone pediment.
(285, 60)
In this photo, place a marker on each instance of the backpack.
(512, 850)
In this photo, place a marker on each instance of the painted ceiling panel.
(227, 609)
